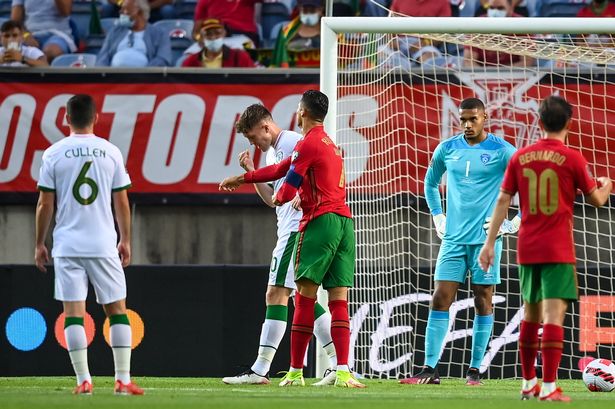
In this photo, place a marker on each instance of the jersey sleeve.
(509, 184)
(46, 178)
(301, 159)
(436, 169)
(121, 180)
(582, 177)
(268, 173)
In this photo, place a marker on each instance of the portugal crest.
(485, 157)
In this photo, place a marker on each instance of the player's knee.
(441, 301)
(277, 296)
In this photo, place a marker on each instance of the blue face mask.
(309, 19)
(125, 21)
(214, 45)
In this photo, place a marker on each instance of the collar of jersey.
(82, 135)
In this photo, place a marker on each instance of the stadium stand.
(82, 60)
(185, 9)
(560, 8)
(5, 9)
(180, 32)
(273, 14)
(269, 42)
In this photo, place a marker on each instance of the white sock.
(272, 333)
(343, 368)
(77, 345)
(295, 369)
(121, 341)
(526, 385)
(547, 388)
(322, 332)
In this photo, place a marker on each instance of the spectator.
(421, 8)
(376, 8)
(597, 8)
(13, 52)
(238, 16)
(159, 9)
(133, 42)
(214, 53)
(474, 56)
(519, 7)
(47, 25)
(298, 43)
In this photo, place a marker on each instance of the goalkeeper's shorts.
(542, 281)
(456, 260)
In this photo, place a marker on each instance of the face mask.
(310, 19)
(214, 45)
(125, 21)
(496, 13)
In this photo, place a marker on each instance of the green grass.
(55, 392)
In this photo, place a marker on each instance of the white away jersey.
(83, 171)
(288, 218)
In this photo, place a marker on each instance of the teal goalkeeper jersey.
(474, 176)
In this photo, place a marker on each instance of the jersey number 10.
(543, 192)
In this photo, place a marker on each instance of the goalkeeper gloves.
(439, 221)
(507, 227)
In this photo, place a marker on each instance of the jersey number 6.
(84, 180)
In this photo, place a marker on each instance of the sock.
(528, 348)
(272, 333)
(301, 330)
(121, 342)
(437, 327)
(77, 345)
(483, 325)
(528, 384)
(547, 389)
(552, 346)
(340, 330)
(322, 332)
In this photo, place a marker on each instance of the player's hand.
(41, 257)
(124, 250)
(605, 183)
(486, 258)
(231, 183)
(275, 201)
(439, 222)
(507, 227)
(296, 203)
(245, 161)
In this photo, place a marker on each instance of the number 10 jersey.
(83, 171)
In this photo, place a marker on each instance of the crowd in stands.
(239, 33)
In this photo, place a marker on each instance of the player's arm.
(264, 190)
(122, 214)
(44, 213)
(436, 169)
(266, 174)
(487, 254)
(301, 160)
(599, 196)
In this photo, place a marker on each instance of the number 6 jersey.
(83, 171)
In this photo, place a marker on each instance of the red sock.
(302, 329)
(528, 348)
(552, 346)
(340, 329)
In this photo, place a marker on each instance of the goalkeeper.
(475, 162)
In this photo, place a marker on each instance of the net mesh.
(397, 98)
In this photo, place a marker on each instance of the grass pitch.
(55, 392)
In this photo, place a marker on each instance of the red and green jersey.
(547, 175)
(316, 171)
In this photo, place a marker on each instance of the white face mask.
(309, 19)
(214, 45)
(496, 13)
(125, 21)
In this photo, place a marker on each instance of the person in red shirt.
(598, 8)
(237, 15)
(325, 249)
(422, 8)
(547, 175)
(214, 53)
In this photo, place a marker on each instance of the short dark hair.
(81, 110)
(554, 113)
(9, 25)
(252, 116)
(472, 103)
(316, 104)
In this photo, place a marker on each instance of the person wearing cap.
(300, 38)
(239, 16)
(133, 42)
(214, 53)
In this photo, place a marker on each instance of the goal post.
(390, 105)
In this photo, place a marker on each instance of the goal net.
(395, 85)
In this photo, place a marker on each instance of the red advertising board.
(178, 137)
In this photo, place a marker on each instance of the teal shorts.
(455, 260)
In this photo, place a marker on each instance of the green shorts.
(542, 281)
(325, 251)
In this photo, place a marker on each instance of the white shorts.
(74, 273)
(282, 271)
